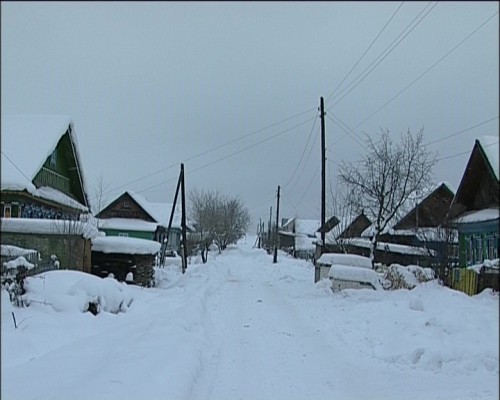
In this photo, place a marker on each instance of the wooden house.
(43, 189)
(131, 215)
(475, 209)
(298, 237)
(426, 226)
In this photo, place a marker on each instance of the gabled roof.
(27, 141)
(303, 226)
(158, 212)
(482, 169)
(489, 145)
(431, 211)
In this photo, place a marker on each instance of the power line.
(462, 131)
(427, 70)
(339, 124)
(305, 163)
(366, 51)
(304, 151)
(16, 167)
(209, 150)
(307, 189)
(462, 153)
(375, 63)
(233, 154)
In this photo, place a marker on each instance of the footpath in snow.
(241, 327)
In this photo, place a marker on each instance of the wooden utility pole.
(269, 230)
(323, 183)
(165, 241)
(183, 222)
(276, 239)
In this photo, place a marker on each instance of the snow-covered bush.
(406, 277)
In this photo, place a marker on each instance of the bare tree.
(218, 218)
(386, 177)
(99, 199)
(343, 207)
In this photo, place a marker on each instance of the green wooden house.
(475, 212)
(132, 215)
(475, 208)
(43, 192)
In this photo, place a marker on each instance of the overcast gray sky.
(232, 89)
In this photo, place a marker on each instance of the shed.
(121, 256)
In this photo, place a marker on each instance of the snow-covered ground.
(241, 327)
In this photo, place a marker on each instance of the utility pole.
(165, 241)
(269, 230)
(276, 240)
(323, 184)
(183, 222)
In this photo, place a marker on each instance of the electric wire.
(366, 51)
(362, 76)
(304, 151)
(425, 72)
(208, 151)
(231, 155)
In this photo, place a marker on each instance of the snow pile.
(18, 262)
(345, 259)
(15, 251)
(73, 291)
(407, 277)
(125, 245)
(490, 264)
(241, 326)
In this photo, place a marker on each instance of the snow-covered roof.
(391, 247)
(48, 226)
(488, 214)
(125, 245)
(7, 250)
(490, 146)
(159, 211)
(304, 242)
(355, 274)
(40, 133)
(307, 226)
(129, 224)
(427, 234)
(350, 260)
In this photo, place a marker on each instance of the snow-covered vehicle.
(349, 271)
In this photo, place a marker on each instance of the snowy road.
(241, 327)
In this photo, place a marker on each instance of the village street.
(241, 327)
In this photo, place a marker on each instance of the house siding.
(129, 233)
(72, 251)
(125, 207)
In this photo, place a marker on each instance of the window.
(126, 205)
(123, 234)
(7, 211)
(53, 159)
(15, 210)
(478, 247)
(491, 247)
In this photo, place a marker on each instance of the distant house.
(426, 226)
(475, 209)
(298, 237)
(416, 238)
(43, 190)
(131, 215)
